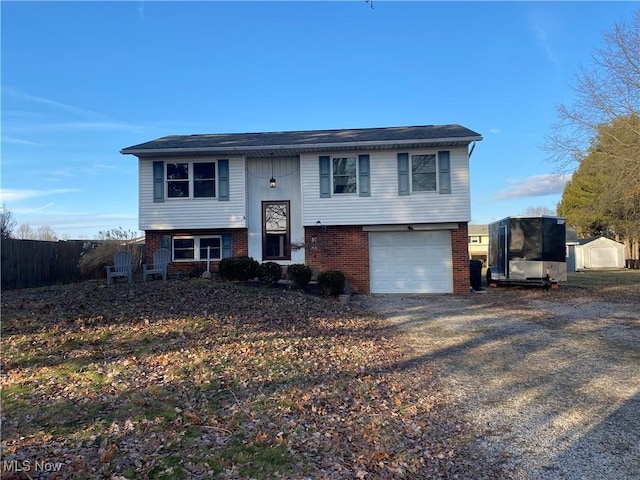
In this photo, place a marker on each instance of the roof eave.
(239, 150)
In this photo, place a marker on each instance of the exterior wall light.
(272, 180)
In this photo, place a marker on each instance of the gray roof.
(571, 236)
(296, 142)
(584, 241)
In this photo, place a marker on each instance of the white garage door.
(603, 257)
(410, 262)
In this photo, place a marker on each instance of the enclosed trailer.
(527, 250)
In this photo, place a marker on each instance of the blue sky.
(82, 80)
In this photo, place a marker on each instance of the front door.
(276, 230)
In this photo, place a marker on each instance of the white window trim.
(196, 246)
(357, 176)
(191, 180)
(424, 192)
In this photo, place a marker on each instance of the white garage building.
(599, 252)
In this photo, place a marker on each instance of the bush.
(226, 267)
(331, 282)
(99, 254)
(300, 275)
(269, 272)
(238, 268)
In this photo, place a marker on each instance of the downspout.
(473, 147)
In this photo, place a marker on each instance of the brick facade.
(340, 248)
(460, 258)
(347, 249)
(344, 248)
(239, 245)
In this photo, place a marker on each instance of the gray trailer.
(527, 250)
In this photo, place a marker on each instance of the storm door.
(276, 230)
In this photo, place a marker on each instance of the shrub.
(300, 275)
(269, 272)
(331, 282)
(98, 255)
(238, 268)
(225, 268)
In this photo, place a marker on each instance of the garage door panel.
(410, 262)
(602, 257)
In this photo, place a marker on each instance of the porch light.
(272, 180)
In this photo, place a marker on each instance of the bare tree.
(119, 234)
(25, 232)
(538, 210)
(46, 233)
(606, 92)
(7, 223)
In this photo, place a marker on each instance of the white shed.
(599, 252)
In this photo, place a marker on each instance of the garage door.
(410, 262)
(603, 257)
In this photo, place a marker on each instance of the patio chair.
(121, 267)
(161, 259)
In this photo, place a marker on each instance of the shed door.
(411, 262)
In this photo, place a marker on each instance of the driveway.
(550, 382)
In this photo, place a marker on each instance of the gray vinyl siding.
(179, 213)
(286, 171)
(385, 205)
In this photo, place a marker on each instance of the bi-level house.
(387, 206)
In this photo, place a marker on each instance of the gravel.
(549, 382)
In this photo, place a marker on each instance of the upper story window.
(344, 175)
(191, 179)
(204, 179)
(426, 172)
(423, 173)
(345, 178)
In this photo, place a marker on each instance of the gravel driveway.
(550, 382)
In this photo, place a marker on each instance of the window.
(204, 180)
(177, 180)
(275, 231)
(197, 248)
(423, 173)
(210, 248)
(345, 175)
(191, 180)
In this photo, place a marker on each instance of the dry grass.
(196, 379)
(92, 263)
(605, 281)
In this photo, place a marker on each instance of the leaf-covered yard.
(198, 379)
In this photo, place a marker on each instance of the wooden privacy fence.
(34, 263)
